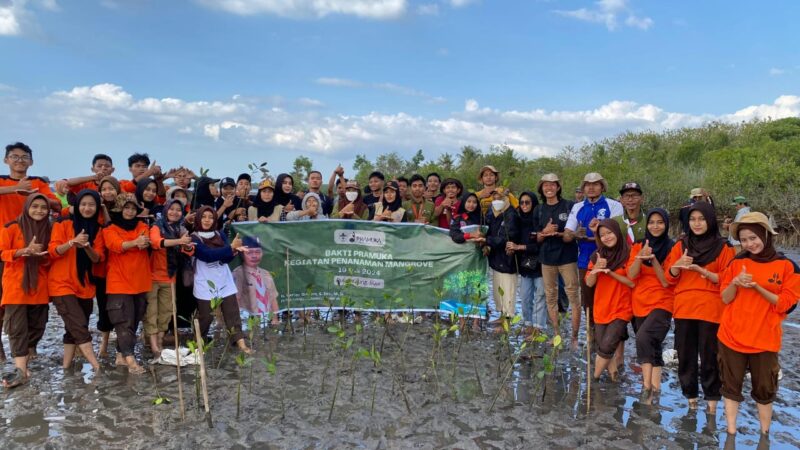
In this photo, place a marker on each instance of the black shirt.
(553, 251)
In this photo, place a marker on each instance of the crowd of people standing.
(132, 244)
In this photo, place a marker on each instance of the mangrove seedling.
(242, 360)
(160, 399)
(508, 373)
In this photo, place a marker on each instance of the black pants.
(695, 338)
(587, 296)
(650, 333)
(185, 302)
(125, 312)
(608, 337)
(230, 312)
(75, 313)
(25, 325)
(103, 322)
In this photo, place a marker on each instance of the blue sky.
(220, 83)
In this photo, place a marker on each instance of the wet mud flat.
(414, 405)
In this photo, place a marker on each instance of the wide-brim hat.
(696, 192)
(548, 177)
(124, 199)
(755, 218)
(485, 168)
(594, 177)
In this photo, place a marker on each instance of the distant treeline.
(759, 160)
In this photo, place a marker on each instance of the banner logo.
(360, 237)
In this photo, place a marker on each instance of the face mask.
(351, 196)
(498, 204)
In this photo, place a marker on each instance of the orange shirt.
(697, 297)
(63, 276)
(649, 293)
(158, 258)
(87, 185)
(129, 270)
(612, 299)
(11, 204)
(751, 324)
(130, 187)
(11, 240)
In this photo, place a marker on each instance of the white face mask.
(351, 196)
(497, 205)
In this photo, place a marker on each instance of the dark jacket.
(527, 225)
(502, 229)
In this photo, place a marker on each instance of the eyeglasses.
(632, 195)
(19, 157)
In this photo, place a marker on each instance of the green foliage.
(759, 160)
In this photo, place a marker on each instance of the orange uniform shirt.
(612, 299)
(11, 240)
(129, 270)
(87, 185)
(697, 297)
(11, 204)
(158, 258)
(129, 186)
(750, 323)
(649, 294)
(63, 276)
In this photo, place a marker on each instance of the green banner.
(373, 266)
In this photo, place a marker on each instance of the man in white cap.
(582, 224)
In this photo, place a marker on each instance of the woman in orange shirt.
(76, 244)
(652, 298)
(758, 288)
(23, 249)
(170, 242)
(109, 190)
(699, 259)
(612, 300)
(128, 281)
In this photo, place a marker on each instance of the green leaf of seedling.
(557, 340)
(443, 333)
(540, 338)
(505, 325)
(211, 284)
(540, 374)
(453, 327)
(516, 319)
(359, 327)
(348, 343)
(333, 329)
(523, 346)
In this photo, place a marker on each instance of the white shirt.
(217, 273)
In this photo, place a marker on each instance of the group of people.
(162, 238)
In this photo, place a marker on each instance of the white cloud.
(245, 121)
(303, 9)
(9, 20)
(460, 3)
(609, 13)
(310, 102)
(428, 9)
(775, 71)
(384, 86)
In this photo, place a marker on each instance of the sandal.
(15, 379)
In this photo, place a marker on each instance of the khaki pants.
(569, 272)
(505, 302)
(159, 308)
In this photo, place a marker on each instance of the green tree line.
(759, 160)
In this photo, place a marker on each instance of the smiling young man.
(14, 190)
(632, 222)
(418, 208)
(102, 166)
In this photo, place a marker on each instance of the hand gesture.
(263, 219)
(339, 170)
(744, 279)
(593, 225)
(190, 217)
(289, 207)
(185, 239)
(684, 261)
(580, 232)
(142, 242)
(24, 185)
(237, 245)
(227, 201)
(312, 210)
(81, 239)
(34, 249)
(646, 253)
(155, 168)
(601, 263)
(550, 229)
(349, 209)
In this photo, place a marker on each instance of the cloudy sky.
(220, 83)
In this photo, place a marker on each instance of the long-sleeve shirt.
(649, 293)
(63, 277)
(612, 299)
(128, 270)
(11, 240)
(697, 297)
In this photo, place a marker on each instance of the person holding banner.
(466, 224)
(418, 208)
(213, 280)
(351, 205)
(503, 222)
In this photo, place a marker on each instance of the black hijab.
(116, 214)
(202, 193)
(172, 230)
(526, 218)
(660, 245)
(282, 198)
(470, 218)
(265, 209)
(393, 206)
(141, 185)
(89, 225)
(706, 247)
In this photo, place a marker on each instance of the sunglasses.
(526, 202)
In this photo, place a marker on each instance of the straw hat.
(266, 184)
(594, 177)
(551, 177)
(752, 218)
(124, 199)
(485, 168)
